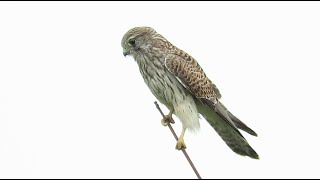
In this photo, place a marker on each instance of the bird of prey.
(176, 79)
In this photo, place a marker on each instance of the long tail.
(241, 125)
(219, 119)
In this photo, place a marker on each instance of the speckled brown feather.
(191, 74)
(193, 78)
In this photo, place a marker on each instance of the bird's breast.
(163, 85)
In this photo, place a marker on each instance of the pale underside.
(170, 92)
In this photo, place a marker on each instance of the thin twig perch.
(176, 137)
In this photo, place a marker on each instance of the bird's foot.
(164, 121)
(180, 144)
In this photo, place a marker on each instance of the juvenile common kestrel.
(177, 80)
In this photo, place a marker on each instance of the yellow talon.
(164, 121)
(180, 144)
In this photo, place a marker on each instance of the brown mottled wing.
(187, 70)
(216, 90)
(192, 77)
(189, 73)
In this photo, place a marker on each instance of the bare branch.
(176, 137)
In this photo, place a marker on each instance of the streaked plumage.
(178, 81)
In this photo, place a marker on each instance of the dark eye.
(132, 42)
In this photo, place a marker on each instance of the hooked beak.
(125, 53)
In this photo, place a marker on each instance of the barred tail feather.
(231, 137)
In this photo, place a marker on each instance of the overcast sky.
(71, 106)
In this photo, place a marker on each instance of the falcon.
(177, 80)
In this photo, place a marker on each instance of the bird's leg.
(164, 121)
(180, 144)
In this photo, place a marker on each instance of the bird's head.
(135, 39)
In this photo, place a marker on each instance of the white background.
(71, 106)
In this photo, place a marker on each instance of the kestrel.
(176, 79)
